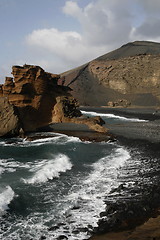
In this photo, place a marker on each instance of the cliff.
(128, 76)
(34, 98)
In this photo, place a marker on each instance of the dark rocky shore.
(134, 212)
(129, 209)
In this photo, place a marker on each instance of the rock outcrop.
(40, 99)
(65, 110)
(33, 91)
(130, 73)
(8, 118)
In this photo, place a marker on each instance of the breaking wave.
(110, 115)
(88, 201)
(48, 169)
(6, 196)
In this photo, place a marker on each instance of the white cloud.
(103, 22)
(72, 8)
(105, 25)
(60, 43)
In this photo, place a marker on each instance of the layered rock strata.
(40, 99)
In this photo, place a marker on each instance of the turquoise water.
(56, 186)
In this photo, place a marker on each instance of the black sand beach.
(140, 225)
(144, 211)
(148, 130)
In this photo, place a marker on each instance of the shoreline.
(148, 230)
(147, 113)
(141, 225)
(128, 134)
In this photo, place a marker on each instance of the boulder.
(119, 103)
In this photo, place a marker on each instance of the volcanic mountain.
(128, 76)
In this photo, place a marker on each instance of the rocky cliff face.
(33, 91)
(8, 119)
(39, 98)
(127, 76)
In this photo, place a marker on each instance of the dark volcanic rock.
(127, 76)
(128, 213)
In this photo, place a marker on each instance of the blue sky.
(61, 34)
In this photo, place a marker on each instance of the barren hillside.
(128, 76)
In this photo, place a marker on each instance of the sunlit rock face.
(33, 92)
(9, 122)
(36, 98)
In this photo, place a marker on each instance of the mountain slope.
(129, 75)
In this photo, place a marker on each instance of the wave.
(106, 169)
(49, 169)
(57, 138)
(89, 200)
(60, 139)
(10, 165)
(6, 197)
(110, 115)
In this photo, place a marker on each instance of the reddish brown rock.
(65, 110)
(33, 91)
(8, 118)
(40, 100)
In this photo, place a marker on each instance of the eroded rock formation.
(40, 100)
(8, 118)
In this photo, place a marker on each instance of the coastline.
(143, 134)
(129, 134)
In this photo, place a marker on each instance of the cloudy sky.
(61, 34)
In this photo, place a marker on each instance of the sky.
(59, 35)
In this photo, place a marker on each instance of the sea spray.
(48, 169)
(87, 203)
(6, 196)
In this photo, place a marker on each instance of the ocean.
(56, 187)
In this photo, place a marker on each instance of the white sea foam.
(10, 165)
(79, 208)
(48, 169)
(45, 140)
(6, 197)
(59, 139)
(109, 115)
(89, 199)
(1, 171)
